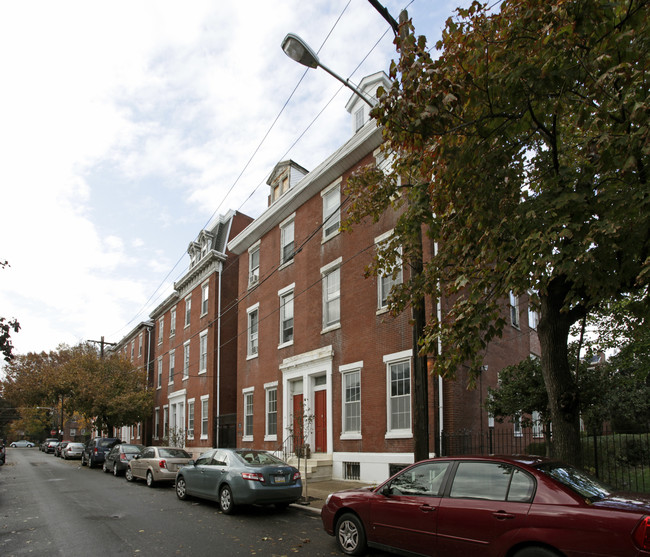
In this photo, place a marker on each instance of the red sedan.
(492, 507)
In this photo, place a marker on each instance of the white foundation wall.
(374, 467)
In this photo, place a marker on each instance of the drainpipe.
(440, 382)
(218, 407)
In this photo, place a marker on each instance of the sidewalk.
(317, 492)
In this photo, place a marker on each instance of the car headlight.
(327, 501)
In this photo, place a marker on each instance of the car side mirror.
(387, 490)
(136, 457)
(191, 463)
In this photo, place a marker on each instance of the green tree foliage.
(522, 149)
(6, 327)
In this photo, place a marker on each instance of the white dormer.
(285, 175)
(357, 107)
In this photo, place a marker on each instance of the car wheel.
(90, 462)
(350, 535)
(116, 472)
(129, 475)
(226, 501)
(536, 552)
(181, 488)
(104, 469)
(150, 480)
(83, 460)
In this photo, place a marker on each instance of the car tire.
(150, 481)
(83, 460)
(181, 488)
(350, 534)
(536, 552)
(104, 469)
(90, 462)
(116, 472)
(226, 501)
(129, 474)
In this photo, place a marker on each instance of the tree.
(522, 150)
(6, 326)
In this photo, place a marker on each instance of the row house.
(320, 360)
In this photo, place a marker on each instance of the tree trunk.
(561, 385)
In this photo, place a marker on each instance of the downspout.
(218, 407)
(440, 382)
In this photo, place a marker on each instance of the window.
(205, 294)
(517, 427)
(204, 416)
(248, 415)
(286, 316)
(331, 295)
(271, 412)
(514, 310)
(533, 318)
(161, 328)
(492, 482)
(286, 241)
(186, 360)
(254, 265)
(132, 349)
(358, 119)
(172, 365)
(160, 366)
(140, 345)
(156, 423)
(538, 427)
(352, 402)
(390, 277)
(203, 352)
(253, 323)
(190, 419)
(172, 322)
(331, 211)
(399, 394)
(423, 480)
(188, 310)
(165, 421)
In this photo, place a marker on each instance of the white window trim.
(204, 435)
(159, 372)
(172, 322)
(156, 422)
(325, 270)
(282, 292)
(513, 306)
(245, 392)
(203, 335)
(283, 224)
(161, 329)
(393, 359)
(250, 310)
(186, 370)
(172, 357)
(343, 370)
(190, 401)
(204, 286)
(187, 316)
(267, 388)
(253, 281)
(336, 185)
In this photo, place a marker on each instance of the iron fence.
(621, 460)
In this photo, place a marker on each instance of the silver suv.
(96, 450)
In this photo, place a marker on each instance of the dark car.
(44, 446)
(490, 506)
(51, 446)
(59, 448)
(96, 449)
(118, 458)
(240, 477)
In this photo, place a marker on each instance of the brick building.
(319, 355)
(195, 346)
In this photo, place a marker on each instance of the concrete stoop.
(318, 467)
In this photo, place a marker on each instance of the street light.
(296, 49)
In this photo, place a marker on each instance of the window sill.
(247, 438)
(251, 356)
(270, 438)
(331, 328)
(285, 344)
(285, 264)
(399, 435)
(326, 239)
(351, 437)
(382, 311)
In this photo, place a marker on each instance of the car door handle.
(427, 508)
(502, 515)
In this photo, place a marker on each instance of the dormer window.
(359, 119)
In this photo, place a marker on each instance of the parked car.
(62, 445)
(72, 451)
(157, 464)
(96, 449)
(44, 445)
(236, 477)
(490, 506)
(117, 459)
(23, 443)
(51, 446)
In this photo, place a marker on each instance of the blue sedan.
(234, 477)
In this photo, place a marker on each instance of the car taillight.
(122, 456)
(642, 534)
(253, 476)
(95, 450)
(296, 476)
(162, 463)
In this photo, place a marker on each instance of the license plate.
(280, 479)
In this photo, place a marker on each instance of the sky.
(125, 127)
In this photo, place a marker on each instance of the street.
(49, 506)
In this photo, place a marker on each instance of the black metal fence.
(621, 460)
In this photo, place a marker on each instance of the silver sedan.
(156, 464)
(240, 477)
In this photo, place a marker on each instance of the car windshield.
(258, 458)
(106, 442)
(583, 484)
(173, 453)
(132, 449)
(75, 446)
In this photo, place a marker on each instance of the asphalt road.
(49, 506)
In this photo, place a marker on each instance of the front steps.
(318, 467)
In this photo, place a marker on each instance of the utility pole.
(102, 342)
